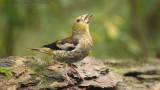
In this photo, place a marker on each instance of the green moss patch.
(6, 71)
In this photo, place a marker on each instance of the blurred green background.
(119, 28)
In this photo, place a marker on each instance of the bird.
(71, 49)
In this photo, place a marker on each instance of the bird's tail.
(43, 50)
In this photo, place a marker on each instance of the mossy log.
(29, 72)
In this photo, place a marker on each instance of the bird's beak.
(86, 17)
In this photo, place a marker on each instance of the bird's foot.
(79, 76)
(76, 72)
(68, 79)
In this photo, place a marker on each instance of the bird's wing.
(67, 44)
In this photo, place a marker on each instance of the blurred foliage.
(119, 28)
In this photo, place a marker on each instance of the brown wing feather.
(64, 44)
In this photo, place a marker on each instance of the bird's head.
(81, 24)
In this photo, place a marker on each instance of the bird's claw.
(78, 75)
(68, 79)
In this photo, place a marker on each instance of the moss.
(118, 70)
(38, 68)
(35, 64)
(6, 71)
(44, 81)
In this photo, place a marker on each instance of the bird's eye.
(78, 20)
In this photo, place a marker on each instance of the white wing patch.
(66, 46)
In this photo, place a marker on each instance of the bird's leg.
(67, 77)
(76, 72)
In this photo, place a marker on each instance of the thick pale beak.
(86, 17)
